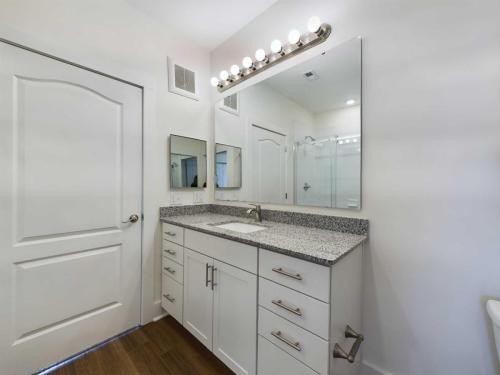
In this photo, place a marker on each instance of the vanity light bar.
(297, 43)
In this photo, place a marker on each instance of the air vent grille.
(231, 101)
(184, 79)
(311, 75)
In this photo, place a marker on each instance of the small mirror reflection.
(188, 162)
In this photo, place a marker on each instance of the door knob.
(132, 219)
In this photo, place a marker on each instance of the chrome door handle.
(294, 310)
(171, 252)
(213, 277)
(171, 234)
(207, 266)
(293, 344)
(132, 219)
(168, 269)
(281, 271)
(171, 299)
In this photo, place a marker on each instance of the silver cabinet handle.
(338, 352)
(132, 219)
(207, 267)
(171, 252)
(171, 299)
(281, 271)
(294, 310)
(213, 277)
(171, 234)
(293, 344)
(168, 269)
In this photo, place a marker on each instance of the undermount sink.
(237, 226)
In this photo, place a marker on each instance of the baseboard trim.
(161, 316)
(368, 368)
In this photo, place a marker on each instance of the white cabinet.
(220, 300)
(198, 299)
(235, 318)
(172, 270)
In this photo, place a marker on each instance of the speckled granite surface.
(321, 246)
(335, 223)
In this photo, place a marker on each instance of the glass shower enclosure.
(327, 172)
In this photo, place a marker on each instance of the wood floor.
(163, 347)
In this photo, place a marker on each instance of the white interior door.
(269, 166)
(70, 162)
(198, 296)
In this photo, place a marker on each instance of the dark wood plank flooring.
(162, 347)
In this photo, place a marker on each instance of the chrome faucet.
(255, 211)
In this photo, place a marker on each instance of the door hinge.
(286, 195)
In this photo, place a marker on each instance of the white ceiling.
(207, 23)
(339, 79)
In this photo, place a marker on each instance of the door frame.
(150, 307)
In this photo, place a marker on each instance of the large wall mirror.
(300, 133)
(188, 162)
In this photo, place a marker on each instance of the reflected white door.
(70, 162)
(269, 166)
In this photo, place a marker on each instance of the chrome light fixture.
(297, 43)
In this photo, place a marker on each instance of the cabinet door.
(198, 296)
(235, 318)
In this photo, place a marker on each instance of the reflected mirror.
(300, 131)
(188, 162)
(227, 166)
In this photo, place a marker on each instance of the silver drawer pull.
(171, 234)
(171, 252)
(294, 310)
(281, 271)
(293, 344)
(168, 269)
(171, 299)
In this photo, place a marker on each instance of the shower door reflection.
(327, 172)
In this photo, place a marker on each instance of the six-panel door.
(235, 318)
(198, 296)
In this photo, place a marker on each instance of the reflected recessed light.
(350, 102)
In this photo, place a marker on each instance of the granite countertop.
(321, 246)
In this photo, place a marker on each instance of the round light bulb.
(276, 46)
(294, 36)
(247, 62)
(214, 81)
(235, 70)
(224, 75)
(260, 55)
(314, 24)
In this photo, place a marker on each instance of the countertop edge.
(309, 258)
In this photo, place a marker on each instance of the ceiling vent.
(311, 75)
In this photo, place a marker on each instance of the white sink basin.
(241, 227)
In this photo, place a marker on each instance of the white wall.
(431, 171)
(340, 122)
(112, 37)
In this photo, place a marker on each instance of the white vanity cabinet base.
(235, 318)
(274, 361)
(307, 312)
(313, 349)
(198, 296)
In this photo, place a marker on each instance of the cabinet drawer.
(272, 360)
(306, 277)
(173, 270)
(171, 299)
(299, 343)
(173, 251)
(173, 233)
(237, 254)
(307, 312)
